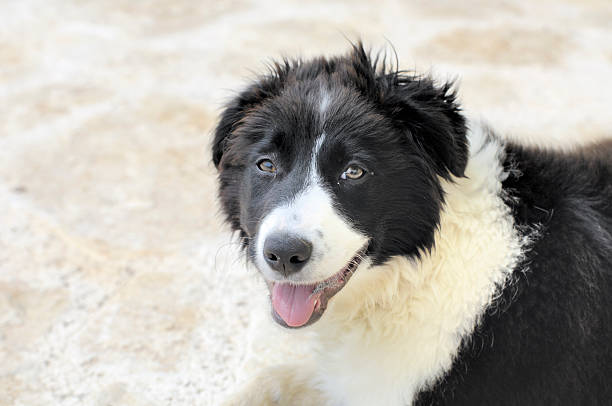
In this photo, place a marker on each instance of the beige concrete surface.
(118, 283)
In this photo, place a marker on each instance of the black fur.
(548, 337)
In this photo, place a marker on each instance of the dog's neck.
(421, 310)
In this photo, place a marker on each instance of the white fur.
(324, 102)
(315, 154)
(394, 329)
(312, 216)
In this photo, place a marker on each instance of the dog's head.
(330, 163)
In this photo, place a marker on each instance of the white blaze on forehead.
(317, 146)
(311, 215)
(325, 101)
(315, 156)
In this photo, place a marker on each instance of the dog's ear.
(426, 112)
(237, 109)
(433, 119)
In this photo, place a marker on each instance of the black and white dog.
(433, 262)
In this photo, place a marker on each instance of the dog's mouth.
(297, 306)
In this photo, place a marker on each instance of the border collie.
(432, 261)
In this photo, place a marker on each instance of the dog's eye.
(353, 172)
(265, 165)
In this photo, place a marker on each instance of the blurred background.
(119, 285)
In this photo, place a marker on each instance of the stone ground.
(118, 283)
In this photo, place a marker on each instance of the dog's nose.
(286, 253)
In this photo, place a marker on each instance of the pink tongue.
(294, 304)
